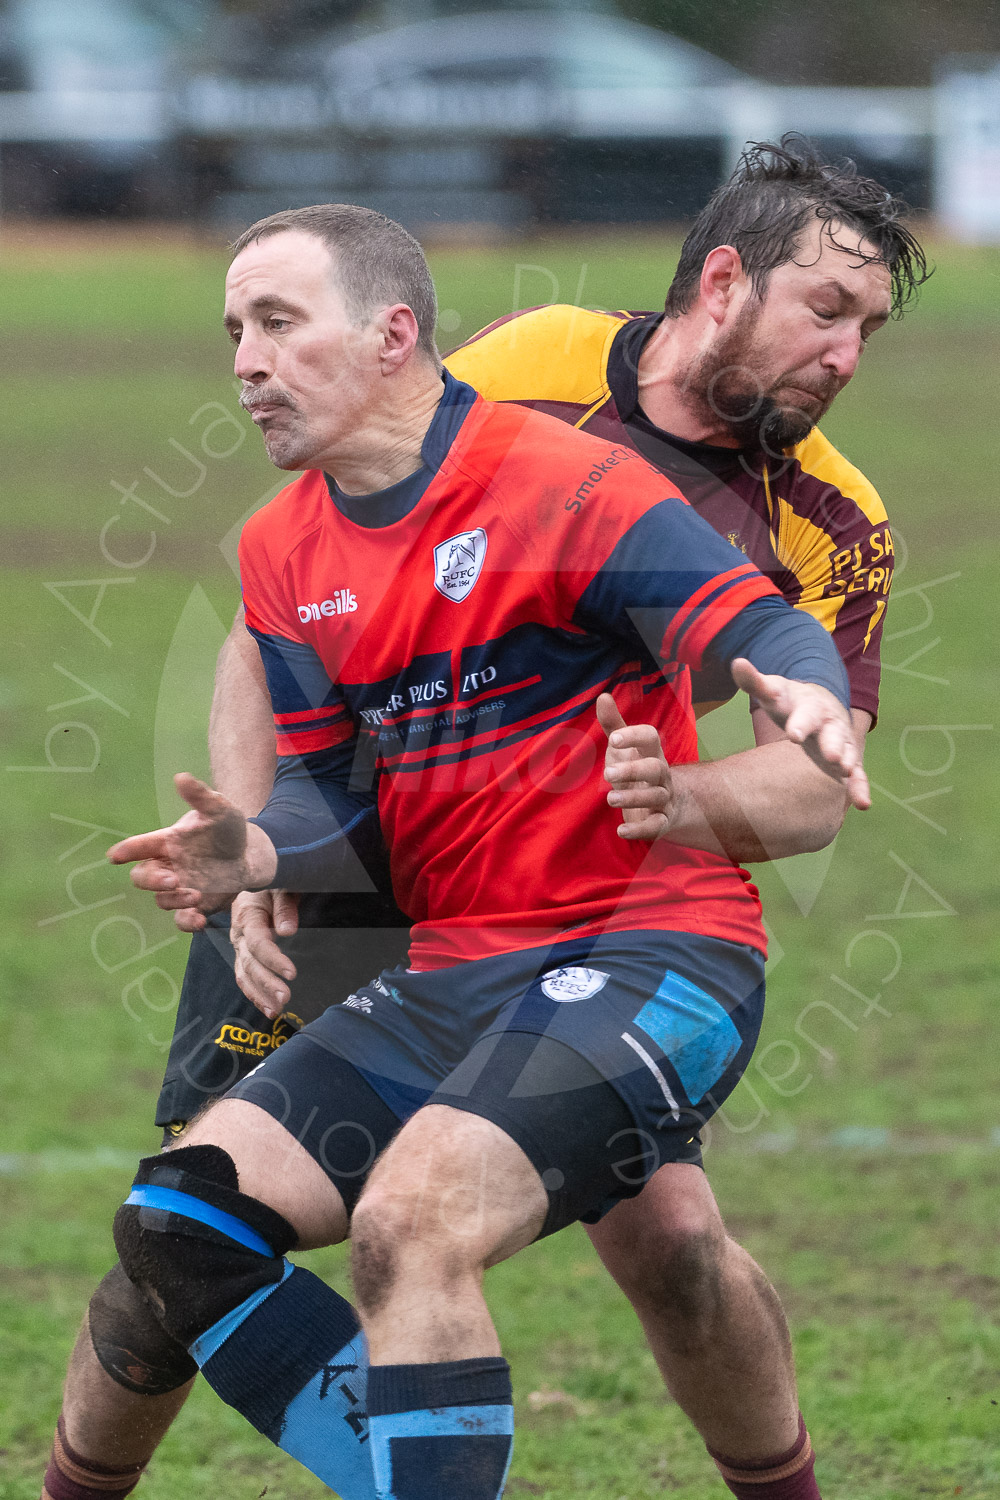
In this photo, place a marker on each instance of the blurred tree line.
(829, 41)
(785, 41)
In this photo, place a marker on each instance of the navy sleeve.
(778, 639)
(322, 815)
(672, 583)
(322, 818)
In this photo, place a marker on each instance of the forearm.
(761, 804)
(241, 728)
(323, 824)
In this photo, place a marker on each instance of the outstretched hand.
(811, 717)
(637, 769)
(202, 858)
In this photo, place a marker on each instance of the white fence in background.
(967, 155)
(958, 121)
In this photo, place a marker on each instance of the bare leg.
(111, 1427)
(104, 1421)
(275, 1168)
(452, 1195)
(712, 1319)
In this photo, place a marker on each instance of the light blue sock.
(292, 1358)
(441, 1431)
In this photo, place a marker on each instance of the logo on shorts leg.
(234, 1038)
(357, 1002)
(573, 983)
(458, 563)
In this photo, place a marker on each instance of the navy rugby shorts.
(601, 1057)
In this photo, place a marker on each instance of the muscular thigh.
(676, 1206)
(457, 1180)
(274, 1168)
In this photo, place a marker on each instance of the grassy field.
(860, 1160)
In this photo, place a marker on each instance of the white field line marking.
(60, 1160)
(851, 1138)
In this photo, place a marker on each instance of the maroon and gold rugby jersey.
(459, 627)
(812, 524)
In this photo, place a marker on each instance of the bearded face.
(744, 381)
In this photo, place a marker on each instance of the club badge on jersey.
(458, 563)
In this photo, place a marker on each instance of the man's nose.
(253, 362)
(842, 354)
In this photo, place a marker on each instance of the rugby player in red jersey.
(686, 1232)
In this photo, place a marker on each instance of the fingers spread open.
(806, 718)
(190, 919)
(747, 678)
(179, 900)
(154, 875)
(836, 741)
(197, 794)
(858, 789)
(770, 692)
(139, 846)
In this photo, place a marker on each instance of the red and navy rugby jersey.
(810, 521)
(462, 630)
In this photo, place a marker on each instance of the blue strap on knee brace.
(173, 1201)
(273, 1340)
(193, 1243)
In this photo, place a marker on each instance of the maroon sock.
(787, 1476)
(71, 1477)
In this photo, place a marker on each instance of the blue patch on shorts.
(693, 1032)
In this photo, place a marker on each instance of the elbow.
(827, 813)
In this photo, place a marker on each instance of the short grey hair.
(377, 261)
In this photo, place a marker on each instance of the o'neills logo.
(342, 603)
(458, 562)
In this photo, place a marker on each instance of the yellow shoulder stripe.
(556, 353)
(807, 551)
(819, 457)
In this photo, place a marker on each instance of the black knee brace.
(193, 1244)
(130, 1342)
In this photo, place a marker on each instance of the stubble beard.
(286, 449)
(285, 442)
(725, 384)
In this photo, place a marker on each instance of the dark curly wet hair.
(768, 202)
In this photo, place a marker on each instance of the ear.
(397, 333)
(722, 280)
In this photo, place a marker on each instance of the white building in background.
(499, 119)
(967, 150)
(524, 116)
